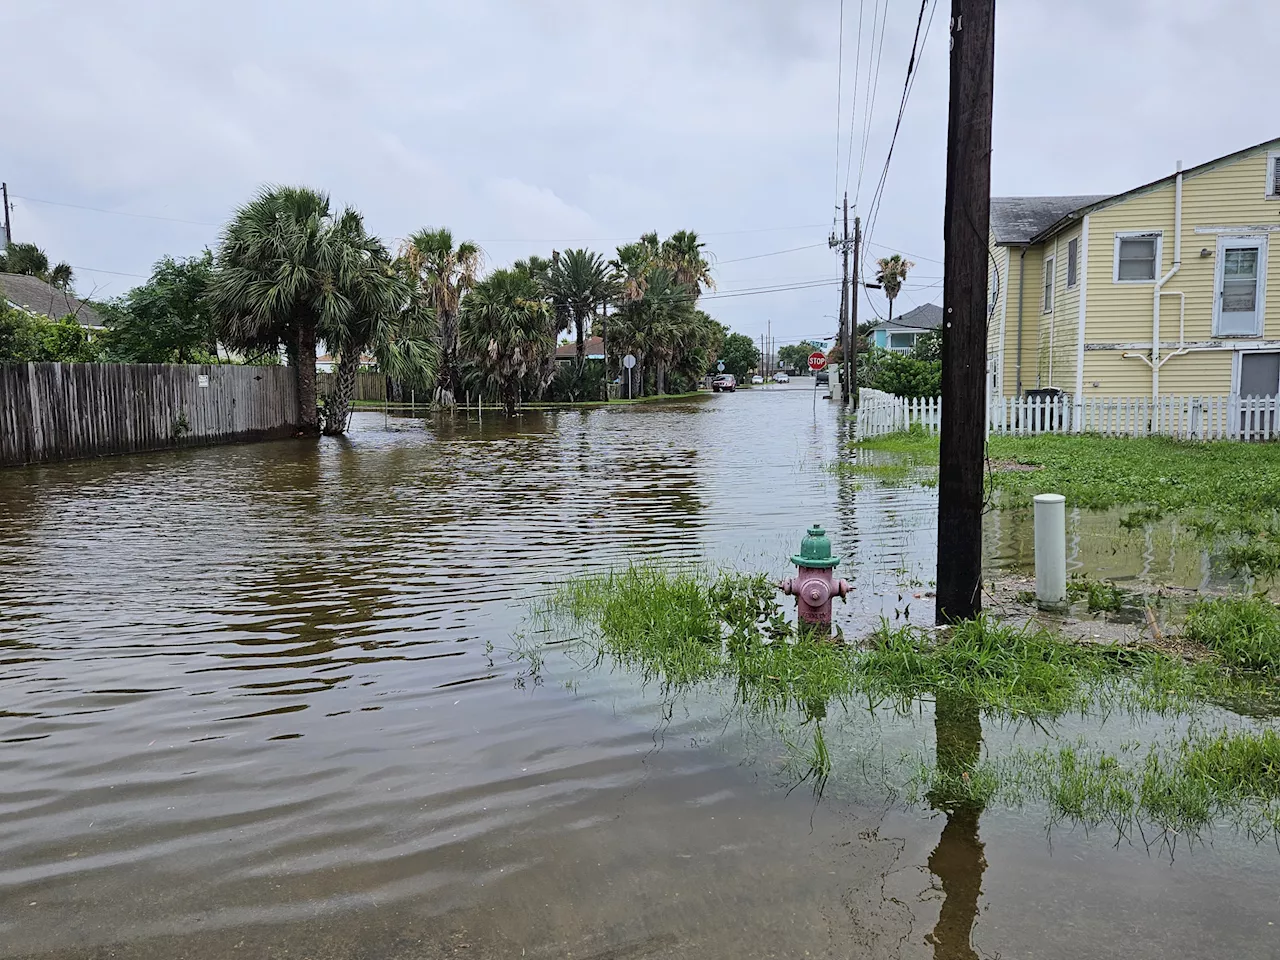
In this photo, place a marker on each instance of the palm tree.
(632, 265)
(29, 260)
(377, 313)
(579, 282)
(508, 335)
(285, 267)
(661, 325)
(446, 272)
(685, 255)
(891, 275)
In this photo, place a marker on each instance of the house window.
(1073, 262)
(1137, 257)
(1240, 279)
(1047, 304)
(902, 342)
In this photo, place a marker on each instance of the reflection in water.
(957, 861)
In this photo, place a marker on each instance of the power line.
(775, 253)
(873, 87)
(117, 213)
(917, 48)
(906, 253)
(840, 92)
(853, 113)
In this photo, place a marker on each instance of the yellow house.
(1165, 290)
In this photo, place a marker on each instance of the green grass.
(1103, 596)
(689, 626)
(1244, 631)
(1204, 778)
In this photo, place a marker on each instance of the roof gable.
(1018, 220)
(925, 317)
(33, 294)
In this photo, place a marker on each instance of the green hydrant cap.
(815, 550)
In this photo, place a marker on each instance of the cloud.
(580, 118)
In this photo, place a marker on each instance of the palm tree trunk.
(308, 412)
(890, 320)
(447, 374)
(580, 321)
(337, 408)
(661, 376)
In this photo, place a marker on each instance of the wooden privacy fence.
(63, 411)
(369, 386)
(1187, 418)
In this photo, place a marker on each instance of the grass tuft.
(1244, 631)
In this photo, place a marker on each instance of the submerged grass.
(690, 626)
(1103, 596)
(1203, 778)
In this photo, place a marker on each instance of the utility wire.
(117, 213)
(873, 88)
(917, 48)
(839, 94)
(853, 113)
(775, 253)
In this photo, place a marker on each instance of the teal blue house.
(900, 333)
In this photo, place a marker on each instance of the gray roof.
(1019, 219)
(926, 317)
(32, 293)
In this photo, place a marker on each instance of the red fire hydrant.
(813, 586)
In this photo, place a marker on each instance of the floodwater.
(259, 701)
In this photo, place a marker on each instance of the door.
(1259, 381)
(1240, 275)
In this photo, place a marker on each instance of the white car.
(781, 378)
(757, 379)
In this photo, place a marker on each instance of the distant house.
(35, 296)
(327, 363)
(569, 351)
(1163, 290)
(900, 334)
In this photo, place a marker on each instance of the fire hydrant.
(813, 586)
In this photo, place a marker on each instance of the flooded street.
(260, 701)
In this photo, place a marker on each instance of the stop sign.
(817, 360)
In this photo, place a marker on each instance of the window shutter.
(1275, 176)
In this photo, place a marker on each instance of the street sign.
(629, 361)
(720, 365)
(817, 361)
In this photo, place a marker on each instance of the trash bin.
(1042, 414)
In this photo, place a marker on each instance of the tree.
(905, 376)
(29, 260)
(740, 355)
(445, 273)
(684, 254)
(579, 281)
(168, 319)
(31, 338)
(795, 356)
(508, 335)
(376, 313)
(891, 274)
(282, 269)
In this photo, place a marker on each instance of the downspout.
(1156, 362)
(1022, 273)
(1053, 311)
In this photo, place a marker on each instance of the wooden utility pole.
(964, 294)
(8, 230)
(845, 293)
(852, 350)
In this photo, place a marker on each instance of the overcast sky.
(533, 124)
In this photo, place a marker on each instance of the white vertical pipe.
(1051, 549)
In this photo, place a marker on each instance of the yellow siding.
(1232, 195)
(999, 312)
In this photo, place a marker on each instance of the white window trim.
(1273, 160)
(1067, 272)
(1134, 235)
(1261, 240)
(1051, 270)
(1237, 355)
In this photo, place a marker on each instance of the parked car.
(781, 378)
(822, 377)
(725, 383)
(757, 379)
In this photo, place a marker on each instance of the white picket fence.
(1187, 418)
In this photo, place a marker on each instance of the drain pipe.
(1022, 273)
(1155, 362)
